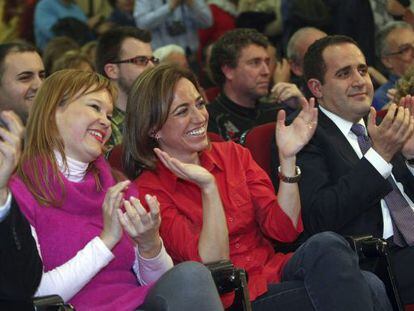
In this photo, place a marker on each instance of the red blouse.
(253, 214)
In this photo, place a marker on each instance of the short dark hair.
(227, 49)
(109, 44)
(314, 66)
(13, 47)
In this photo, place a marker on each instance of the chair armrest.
(51, 303)
(370, 249)
(367, 246)
(228, 279)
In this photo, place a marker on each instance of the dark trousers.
(402, 260)
(324, 274)
(187, 286)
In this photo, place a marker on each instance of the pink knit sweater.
(63, 231)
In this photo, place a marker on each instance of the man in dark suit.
(343, 188)
(20, 264)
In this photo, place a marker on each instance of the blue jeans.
(323, 274)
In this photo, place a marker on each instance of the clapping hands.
(141, 226)
(10, 149)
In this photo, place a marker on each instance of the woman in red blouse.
(217, 203)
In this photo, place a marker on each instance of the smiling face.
(84, 125)
(184, 134)
(23, 73)
(347, 90)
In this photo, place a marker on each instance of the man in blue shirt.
(395, 43)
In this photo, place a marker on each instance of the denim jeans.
(324, 274)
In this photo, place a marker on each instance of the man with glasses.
(122, 54)
(394, 46)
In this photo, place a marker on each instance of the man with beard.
(21, 74)
(122, 54)
(239, 64)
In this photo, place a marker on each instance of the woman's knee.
(192, 270)
(330, 245)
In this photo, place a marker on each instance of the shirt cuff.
(410, 167)
(148, 270)
(382, 166)
(5, 208)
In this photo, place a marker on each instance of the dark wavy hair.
(227, 49)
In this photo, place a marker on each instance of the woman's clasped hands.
(141, 226)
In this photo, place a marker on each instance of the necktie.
(400, 210)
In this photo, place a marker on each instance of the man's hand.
(408, 147)
(392, 133)
(282, 71)
(10, 149)
(288, 93)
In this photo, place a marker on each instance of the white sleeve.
(5, 208)
(150, 270)
(382, 166)
(69, 278)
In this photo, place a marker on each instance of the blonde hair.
(42, 138)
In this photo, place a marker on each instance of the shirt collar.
(75, 170)
(343, 125)
(235, 108)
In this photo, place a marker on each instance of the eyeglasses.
(402, 50)
(138, 60)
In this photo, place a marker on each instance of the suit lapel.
(339, 141)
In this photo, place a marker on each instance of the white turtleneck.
(75, 170)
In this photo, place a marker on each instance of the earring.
(155, 135)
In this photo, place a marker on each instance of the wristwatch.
(289, 180)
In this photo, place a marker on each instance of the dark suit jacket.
(20, 264)
(339, 191)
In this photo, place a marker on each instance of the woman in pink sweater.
(78, 212)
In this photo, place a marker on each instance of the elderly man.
(394, 45)
(297, 46)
